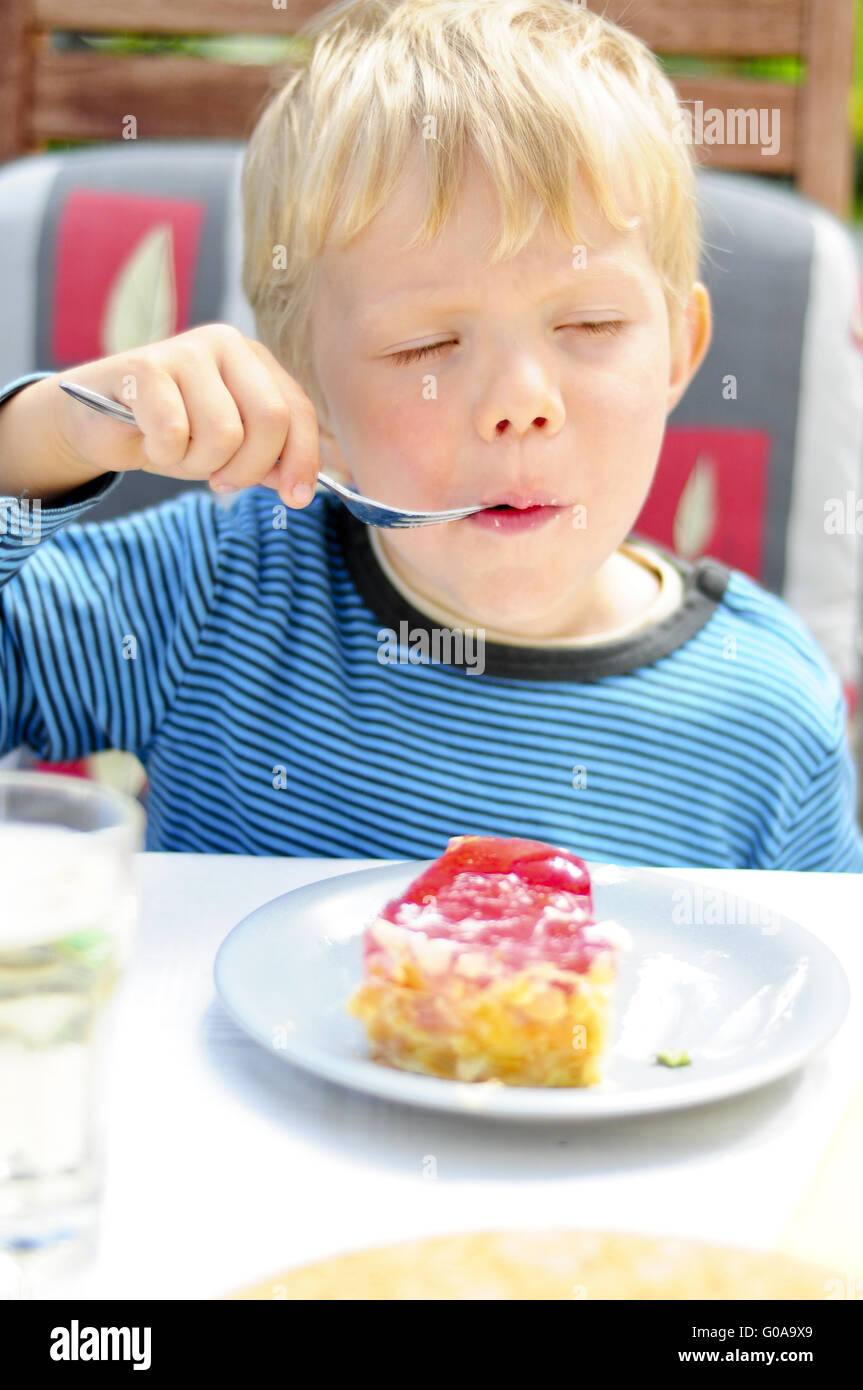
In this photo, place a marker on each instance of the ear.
(696, 331)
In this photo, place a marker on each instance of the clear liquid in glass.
(66, 919)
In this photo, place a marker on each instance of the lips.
(507, 519)
(520, 501)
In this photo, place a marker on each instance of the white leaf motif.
(695, 517)
(118, 769)
(142, 303)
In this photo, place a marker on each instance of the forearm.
(32, 459)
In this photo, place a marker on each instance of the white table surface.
(227, 1165)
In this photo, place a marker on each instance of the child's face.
(523, 404)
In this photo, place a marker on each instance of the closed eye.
(414, 354)
(607, 326)
(603, 326)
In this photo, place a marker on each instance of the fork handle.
(103, 404)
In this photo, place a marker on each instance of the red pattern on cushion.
(97, 233)
(78, 767)
(727, 514)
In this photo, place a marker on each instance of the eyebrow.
(442, 298)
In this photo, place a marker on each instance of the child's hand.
(209, 403)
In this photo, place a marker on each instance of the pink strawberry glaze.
(490, 893)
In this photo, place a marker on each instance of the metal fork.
(371, 512)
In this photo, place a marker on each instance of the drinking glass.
(68, 914)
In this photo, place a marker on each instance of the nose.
(503, 425)
(520, 399)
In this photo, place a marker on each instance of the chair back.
(104, 248)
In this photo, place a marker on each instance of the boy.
(294, 685)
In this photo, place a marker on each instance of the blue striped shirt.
(238, 651)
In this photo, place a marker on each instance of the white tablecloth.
(226, 1165)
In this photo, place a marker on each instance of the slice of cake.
(490, 966)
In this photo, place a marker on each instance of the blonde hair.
(540, 90)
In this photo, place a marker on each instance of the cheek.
(406, 429)
(407, 447)
(622, 417)
(617, 443)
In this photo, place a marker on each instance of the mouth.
(518, 501)
(517, 512)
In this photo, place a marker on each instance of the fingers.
(281, 447)
(216, 430)
(214, 405)
(157, 403)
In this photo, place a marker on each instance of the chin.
(507, 615)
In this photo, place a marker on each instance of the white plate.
(748, 999)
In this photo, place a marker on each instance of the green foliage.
(253, 48)
(220, 48)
